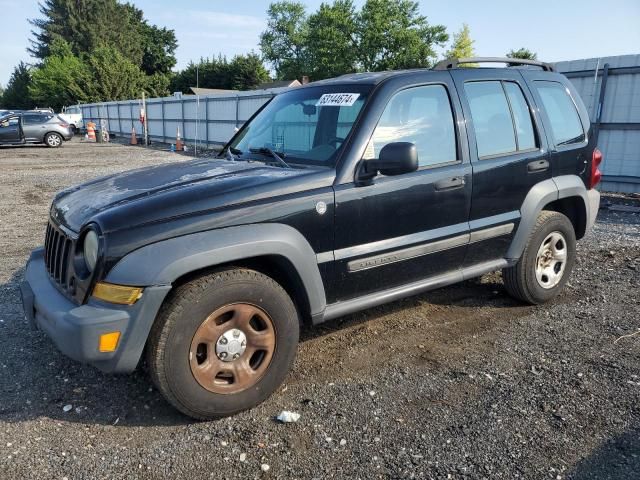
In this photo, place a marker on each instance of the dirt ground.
(462, 382)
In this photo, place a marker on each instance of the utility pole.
(144, 120)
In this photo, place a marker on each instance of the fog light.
(120, 294)
(109, 341)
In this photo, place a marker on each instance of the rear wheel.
(547, 260)
(53, 140)
(223, 343)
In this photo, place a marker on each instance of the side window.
(562, 113)
(501, 118)
(423, 116)
(525, 137)
(36, 118)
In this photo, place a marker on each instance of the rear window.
(561, 111)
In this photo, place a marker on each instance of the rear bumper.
(76, 329)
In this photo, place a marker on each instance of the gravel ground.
(462, 382)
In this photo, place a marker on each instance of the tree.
(114, 76)
(90, 24)
(62, 79)
(158, 49)
(16, 95)
(331, 40)
(393, 35)
(462, 45)
(522, 53)
(284, 42)
(244, 72)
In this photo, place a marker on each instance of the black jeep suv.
(335, 197)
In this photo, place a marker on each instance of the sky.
(555, 29)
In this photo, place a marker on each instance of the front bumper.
(76, 329)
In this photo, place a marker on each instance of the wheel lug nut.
(236, 356)
(222, 355)
(236, 333)
(223, 340)
(244, 343)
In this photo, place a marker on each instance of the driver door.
(10, 130)
(405, 228)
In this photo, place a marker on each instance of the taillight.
(596, 174)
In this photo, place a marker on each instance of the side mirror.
(395, 159)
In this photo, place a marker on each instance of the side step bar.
(340, 309)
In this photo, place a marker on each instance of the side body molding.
(543, 193)
(163, 262)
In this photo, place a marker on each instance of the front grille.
(57, 251)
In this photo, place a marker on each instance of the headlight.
(90, 250)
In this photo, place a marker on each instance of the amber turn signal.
(109, 341)
(120, 294)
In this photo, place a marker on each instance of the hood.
(75, 206)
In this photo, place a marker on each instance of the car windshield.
(306, 126)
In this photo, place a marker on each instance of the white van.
(73, 116)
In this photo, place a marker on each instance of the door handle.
(449, 183)
(538, 166)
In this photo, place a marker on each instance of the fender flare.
(164, 262)
(542, 194)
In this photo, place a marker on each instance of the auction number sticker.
(337, 99)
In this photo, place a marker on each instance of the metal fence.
(207, 120)
(610, 88)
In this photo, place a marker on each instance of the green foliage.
(337, 39)
(284, 42)
(331, 40)
(87, 25)
(114, 76)
(523, 53)
(97, 50)
(243, 72)
(462, 45)
(62, 79)
(16, 95)
(393, 35)
(158, 47)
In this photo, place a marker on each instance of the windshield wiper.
(268, 152)
(230, 153)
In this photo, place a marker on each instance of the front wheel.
(547, 260)
(223, 343)
(53, 140)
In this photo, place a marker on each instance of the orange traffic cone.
(134, 140)
(91, 131)
(179, 146)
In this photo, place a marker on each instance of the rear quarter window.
(566, 126)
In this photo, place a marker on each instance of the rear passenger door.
(34, 126)
(508, 151)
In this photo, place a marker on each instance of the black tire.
(168, 352)
(520, 280)
(53, 140)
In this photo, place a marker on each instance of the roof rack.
(454, 62)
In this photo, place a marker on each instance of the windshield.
(306, 126)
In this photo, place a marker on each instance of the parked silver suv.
(34, 127)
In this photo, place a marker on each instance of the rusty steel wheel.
(232, 348)
(223, 342)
